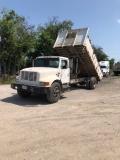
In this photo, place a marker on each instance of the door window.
(64, 64)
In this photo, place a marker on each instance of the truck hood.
(44, 73)
(40, 69)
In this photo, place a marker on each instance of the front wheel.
(23, 93)
(54, 93)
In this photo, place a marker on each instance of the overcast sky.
(102, 17)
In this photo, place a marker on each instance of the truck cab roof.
(60, 57)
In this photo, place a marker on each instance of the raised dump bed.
(76, 44)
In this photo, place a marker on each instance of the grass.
(7, 79)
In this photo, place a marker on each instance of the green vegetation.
(17, 39)
(6, 79)
(20, 42)
(101, 56)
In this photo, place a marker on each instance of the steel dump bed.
(76, 43)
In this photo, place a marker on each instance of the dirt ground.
(83, 125)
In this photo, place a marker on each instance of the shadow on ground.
(32, 101)
(35, 100)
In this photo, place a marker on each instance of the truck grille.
(30, 76)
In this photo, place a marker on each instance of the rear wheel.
(54, 93)
(23, 93)
(93, 83)
(88, 84)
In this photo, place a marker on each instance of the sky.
(102, 17)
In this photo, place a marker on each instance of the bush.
(7, 79)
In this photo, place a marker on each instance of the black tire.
(93, 83)
(54, 93)
(88, 84)
(23, 93)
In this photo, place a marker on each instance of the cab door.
(65, 71)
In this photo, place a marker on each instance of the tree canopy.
(46, 36)
(101, 56)
(17, 39)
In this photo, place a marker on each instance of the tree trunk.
(9, 67)
(14, 66)
(4, 68)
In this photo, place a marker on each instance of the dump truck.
(75, 64)
(116, 69)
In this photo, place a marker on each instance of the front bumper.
(32, 89)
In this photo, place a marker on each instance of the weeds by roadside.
(6, 79)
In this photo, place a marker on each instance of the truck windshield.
(47, 62)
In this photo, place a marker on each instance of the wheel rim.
(56, 92)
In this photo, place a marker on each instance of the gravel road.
(83, 125)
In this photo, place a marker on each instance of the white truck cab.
(48, 75)
(105, 67)
(52, 68)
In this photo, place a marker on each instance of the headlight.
(44, 84)
(17, 79)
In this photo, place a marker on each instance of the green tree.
(17, 39)
(112, 62)
(46, 36)
(101, 56)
